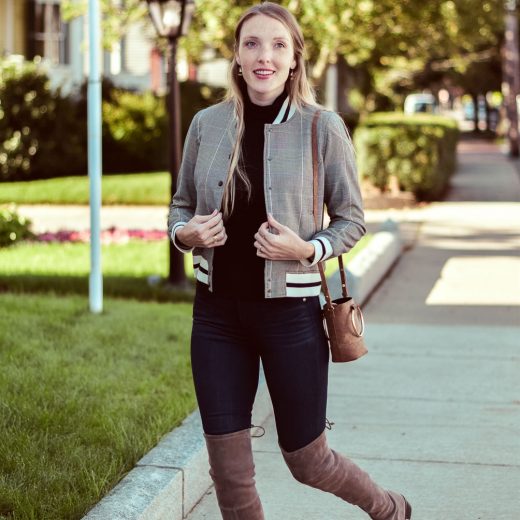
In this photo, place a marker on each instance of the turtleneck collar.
(266, 113)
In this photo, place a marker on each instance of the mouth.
(263, 73)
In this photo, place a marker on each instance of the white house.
(30, 28)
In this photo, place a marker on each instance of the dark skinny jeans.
(231, 335)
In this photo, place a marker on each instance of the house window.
(48, 33)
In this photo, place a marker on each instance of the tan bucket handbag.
(342, 318)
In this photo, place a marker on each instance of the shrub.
(44, 134)
(13, 227)
(135, 125)
(419, 151)
(134, 132)
(40, 134)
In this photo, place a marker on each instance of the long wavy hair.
(299, 90)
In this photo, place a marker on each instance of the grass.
(83, 397)
(63, 268)
(128, 189)
(331, 266)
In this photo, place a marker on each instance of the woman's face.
(266, 54)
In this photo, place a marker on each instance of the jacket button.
(269, 158)
(270, 188)
(229, 156)
(220, 183)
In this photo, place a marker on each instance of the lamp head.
(171, 18)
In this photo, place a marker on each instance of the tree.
(380, 46)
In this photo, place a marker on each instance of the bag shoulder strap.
(317, 213)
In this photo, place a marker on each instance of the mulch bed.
(374, 198)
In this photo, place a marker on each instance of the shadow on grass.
(136, 288)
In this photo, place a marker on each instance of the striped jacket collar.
(286, 112)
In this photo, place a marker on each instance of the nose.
(264, 56)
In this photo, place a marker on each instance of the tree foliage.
(389, 42)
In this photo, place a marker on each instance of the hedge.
(135, 124)
(43, 134)
(418, 150)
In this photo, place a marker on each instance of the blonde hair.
(299, 90)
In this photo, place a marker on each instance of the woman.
(244, 207)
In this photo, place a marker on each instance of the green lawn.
(138, 189)
(331, 266)
(83, 397)
(64, 267)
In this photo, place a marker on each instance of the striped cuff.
(322, 251)
(176, 242)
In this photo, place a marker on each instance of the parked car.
(420, 102)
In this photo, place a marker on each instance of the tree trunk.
(510, 67)
(474, 97)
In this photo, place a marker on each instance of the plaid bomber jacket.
(288, 189)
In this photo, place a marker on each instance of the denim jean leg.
(225, 365)
(295, 357)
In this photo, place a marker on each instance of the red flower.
(108, 236)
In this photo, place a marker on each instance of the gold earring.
(291, 75)
(239, 70)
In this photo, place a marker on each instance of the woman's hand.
(203, 231)
(282, 243)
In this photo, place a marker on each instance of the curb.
(170, 480)
(369, 266)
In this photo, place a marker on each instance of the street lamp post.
(512, 75)
(171, 19)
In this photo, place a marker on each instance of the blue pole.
(94, 158)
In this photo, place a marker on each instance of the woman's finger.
(264, 238)
(201, 219)
(214, 221)
(217, 228)
(214, 238)
(207, 235)
(222, 240)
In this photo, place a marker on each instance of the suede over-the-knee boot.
(232, 470)
(321, 467)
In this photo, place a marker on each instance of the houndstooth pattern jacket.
(288, 189)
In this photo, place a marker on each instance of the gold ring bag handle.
(342, 318)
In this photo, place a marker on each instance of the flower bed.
(108, 236)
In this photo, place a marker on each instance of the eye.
(281, 44)
(247, 43)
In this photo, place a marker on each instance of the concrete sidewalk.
(434, 409)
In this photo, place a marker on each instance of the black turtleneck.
(237, 270)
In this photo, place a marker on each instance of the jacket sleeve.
(184, 202)
(342, 194)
